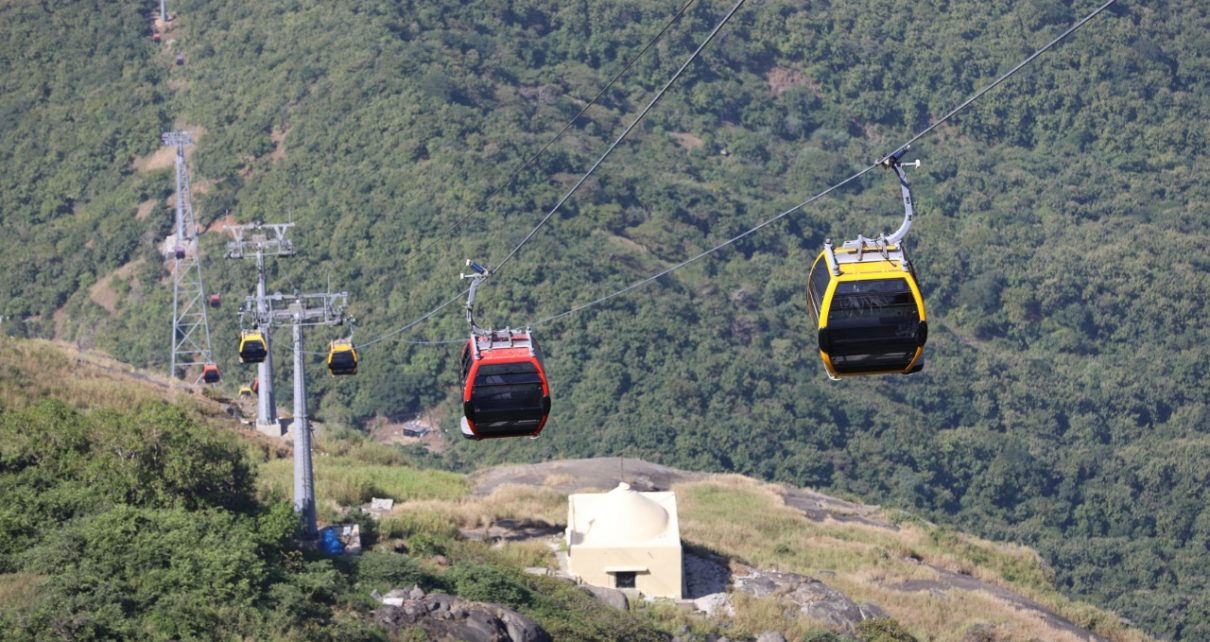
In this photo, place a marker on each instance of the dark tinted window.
(494, 374)
(512, 389)
(817, 286)
(872, 325)
(466, 362)
(342, 360)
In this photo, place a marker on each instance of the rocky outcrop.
(811, 597)
(609, 596)
(447, 617)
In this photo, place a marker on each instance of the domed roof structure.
(625, 516)
(626, 539)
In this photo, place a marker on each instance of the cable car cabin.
(867, 309)
(210, 373)
(255, 385)
(342, 357)
(504, 387)
(252, 347)
(215, 300)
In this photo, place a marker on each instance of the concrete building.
(626, 539)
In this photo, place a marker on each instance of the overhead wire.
(593, 168)
(637, 119)
(553, 139)
(525, 164)
(767, 222)
(763, 224)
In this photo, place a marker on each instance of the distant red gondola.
(215, 300)
(210, 373)
(504, 387)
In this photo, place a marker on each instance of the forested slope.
(1060, 241)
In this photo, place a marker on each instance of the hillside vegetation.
(154, 521)
(1059, 242)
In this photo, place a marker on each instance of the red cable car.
(504, 387)
(216, 300)
(210, 373)
(255, 385)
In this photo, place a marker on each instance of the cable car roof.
(504, 343)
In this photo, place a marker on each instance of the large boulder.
(811, 597)
(448, 617)
(610, 596)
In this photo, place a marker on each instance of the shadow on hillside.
(706, 572)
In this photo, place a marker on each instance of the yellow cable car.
(866, 303)
(342, 357)
(252, 347)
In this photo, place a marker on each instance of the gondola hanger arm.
(909, 213)
(477, 276)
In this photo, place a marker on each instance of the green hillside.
(126, 517)
(1059, 243)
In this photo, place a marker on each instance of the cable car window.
(466, 362)
(506, 388)
(494, 374)
(817, 285)
(873, 300)
(872, 325)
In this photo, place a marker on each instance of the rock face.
(705, 574)
(812, 597)
(609, 596)
(448, 617)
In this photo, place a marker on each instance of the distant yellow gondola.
(866, 304)
(252, 347)
(342, 357)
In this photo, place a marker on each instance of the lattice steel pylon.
(190, 326)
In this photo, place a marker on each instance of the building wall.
(659, 567)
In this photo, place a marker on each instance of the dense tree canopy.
(1060, 238)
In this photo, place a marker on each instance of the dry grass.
(19, 591)
(103, 293)
(756, 615)
(747, 521)
(520, 503)
(31, 370)
(344, 481)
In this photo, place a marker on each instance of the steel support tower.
(163, 12)
(190, 326)
(260, 240)
(301, 310)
